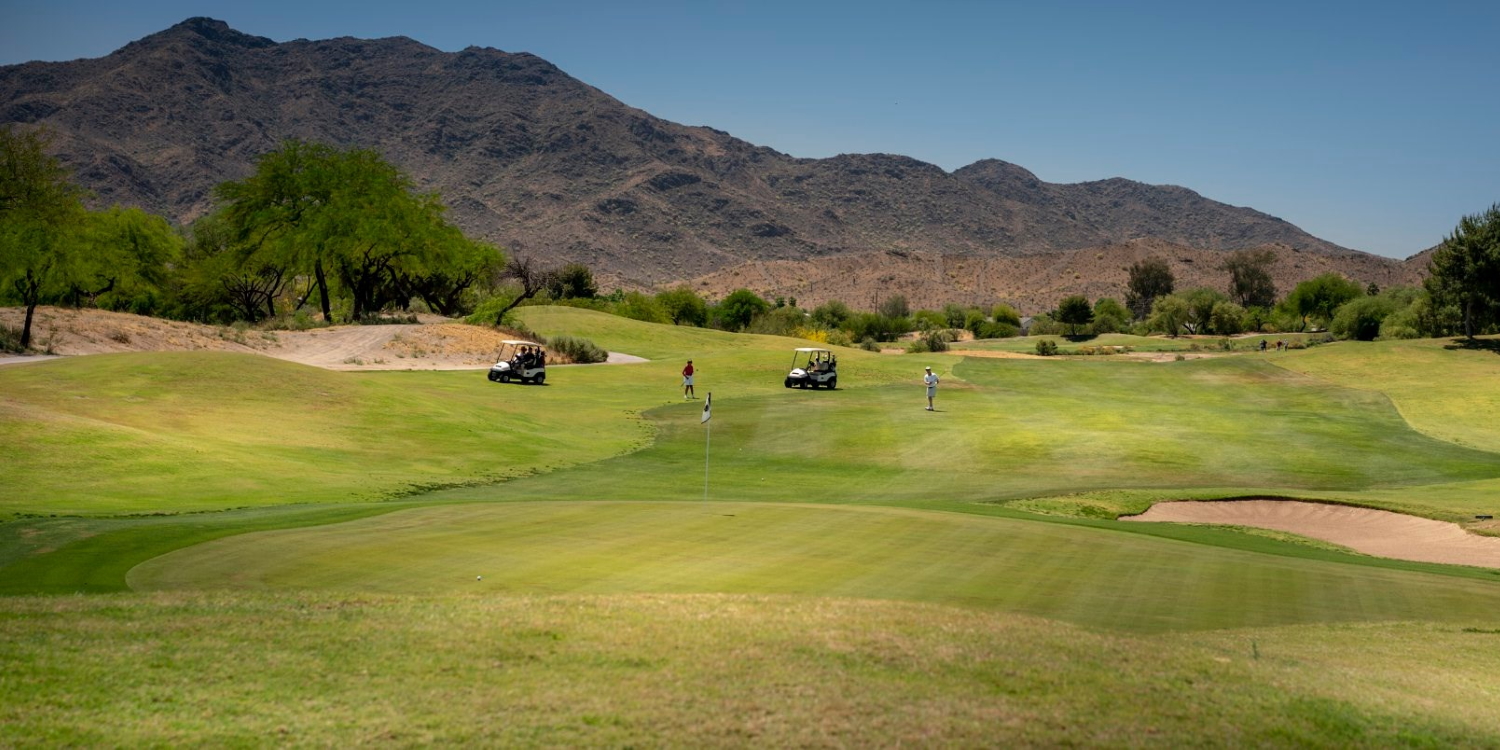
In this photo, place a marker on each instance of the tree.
(1319, 297)
(739, 308)
(573, 281)
(1169, 314)
(1149, 279)
(895, 307)
(40, 212)
(1250, 282)
(1464, 272)
(1227, 318)
(1110, 316)
(955, 314)
(831, 314)
(1360, 318)
(683, 306)
(1003, 313)
(1200, 304)
(1075, 311)
(130, 253)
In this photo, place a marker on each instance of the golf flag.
(706, 402)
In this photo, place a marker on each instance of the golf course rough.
(422, 557)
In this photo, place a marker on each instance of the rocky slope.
(541, 163)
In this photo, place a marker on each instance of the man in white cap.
(931, 380)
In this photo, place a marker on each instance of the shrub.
(10, 339)
(1003, 313)
(937, 340)
(816, 335)
(637, 306)
(869, 344)
(996, 330)
(1046, 347)
(778, 321)
(917, 347)
(839, 337)
(581, 351)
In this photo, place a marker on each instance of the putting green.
(1095, 577)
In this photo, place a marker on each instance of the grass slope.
(331, 669)
(1089, 576)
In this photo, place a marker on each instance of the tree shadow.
(1486, 345)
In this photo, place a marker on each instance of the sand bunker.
(1373, 532)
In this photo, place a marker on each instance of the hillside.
(534, 160)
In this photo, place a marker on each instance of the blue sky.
(1372, 125)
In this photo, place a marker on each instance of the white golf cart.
(525, 361)
(813, 368)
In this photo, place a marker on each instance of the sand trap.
(1373, 532)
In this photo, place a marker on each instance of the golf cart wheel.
(802, 384)
(505, 377)
(833, 383)
(788, 383)
(540, 378)
(493, 376)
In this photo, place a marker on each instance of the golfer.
(687, 381)
(931, 380)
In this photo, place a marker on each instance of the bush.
(1003, 313)
(815, 335)
(637, 306)
(778, 321)
(917, 347)
(869, 344)
(10, 339)
(1360, 318)
(840, 337)
(1046, 347)
(937, 340)
(581, 351)
(996, 330)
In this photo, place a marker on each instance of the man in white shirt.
(931, 380)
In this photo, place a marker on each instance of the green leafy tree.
(131, 253)
(1227, 318)
(572, 281)
(1318, 298)
(1250, 282)
(1075, 311)
(1201, 303)
(955, 314)
(639, 306)
(41, 210)
(1149, 279)
(1110, 316)
(929, 320)
(1464, 272)
(895, 307)
(683, 306)
(831, 314)
(1360, 318)
(1003, 313)
(1169, 314)
(739, 308)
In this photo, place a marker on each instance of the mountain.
(545, 165)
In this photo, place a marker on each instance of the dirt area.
(1372, 532)
(434, 343)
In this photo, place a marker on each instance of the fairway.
(1095, 577)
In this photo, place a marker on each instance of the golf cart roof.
(809, 349)
(513, 342)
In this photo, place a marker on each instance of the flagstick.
(708, 438)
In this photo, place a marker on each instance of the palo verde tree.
(1318, 297)
(1464, 272)
(349, 219)
(1149, 279)
(1250, 282)
(41, 251)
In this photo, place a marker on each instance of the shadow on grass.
(1487, 345)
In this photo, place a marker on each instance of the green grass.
(865, 573)
(711, 670)
(1098, 577)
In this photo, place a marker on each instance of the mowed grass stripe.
(1093, 577)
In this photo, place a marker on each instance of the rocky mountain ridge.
(543, 164)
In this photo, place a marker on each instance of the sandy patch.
(434, 343)
(1372, 532)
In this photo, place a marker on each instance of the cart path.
(1374, 532)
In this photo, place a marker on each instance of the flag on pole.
(706, 402)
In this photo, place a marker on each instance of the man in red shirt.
(687, 381)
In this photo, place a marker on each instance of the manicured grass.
(694, 671)
(1068, 345)
(1440, 386)
(1097, 577)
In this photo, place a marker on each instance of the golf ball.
(479, 578)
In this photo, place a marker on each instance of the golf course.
(215, 548)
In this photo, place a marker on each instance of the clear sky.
(1373, 125)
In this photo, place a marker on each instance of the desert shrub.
(1044, 325)
(997, 330)
(778, 321)
(684, 306)
(1003, 313)
(1110, 316)
(578, 350)
(1227, 318)
(831, 314)
(927, 320)
(1088, 350)
(839, 337)
(637, 306)
(936, 340)
(816, 335)
(10, 339)
(1046, 347)
(917, 347)
(869, 344)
